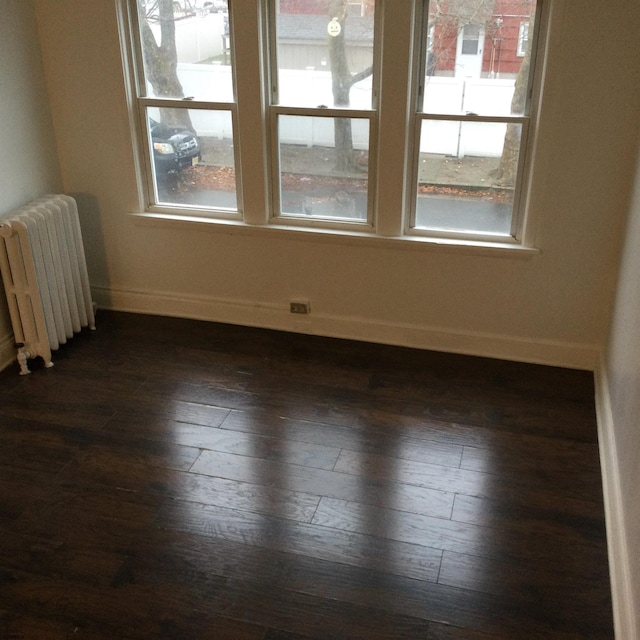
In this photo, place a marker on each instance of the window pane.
(323, 167)
(466, 176)
(324, 53)
(186, 49)
(476, 50)
(192, 151)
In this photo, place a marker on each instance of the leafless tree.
(161, 58)
(508, 167)
(342, 80)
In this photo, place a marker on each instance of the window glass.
(185, 49)
(322, 105)
(457, 177)
(315, 180)
(324, 53)
(193, 160)
(473, 115)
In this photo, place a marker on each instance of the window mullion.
(246, 22)
(397, 23)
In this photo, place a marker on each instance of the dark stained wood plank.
(54, 408)
(19, 486)
(469, 482)
(567, 465)
(36, 445)
(552, 520)
(367, 439)
(229, 441)
(540, 583)
(446, 535)
(157, 414)
(165, 479)
(322, 617)
(382, 491)
(279, 534)
(128, 612)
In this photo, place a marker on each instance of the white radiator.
(45, 276)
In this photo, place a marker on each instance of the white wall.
(620, 417)
(28, 162)
(553, 307)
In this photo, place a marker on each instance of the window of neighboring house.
(523, 38)
(470, 39)
(472, 132)
(281, 126)
(322, 112)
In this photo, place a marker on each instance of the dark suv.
(174, 148)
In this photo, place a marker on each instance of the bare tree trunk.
(508, 167)
(341, 86)
(342, 81)
(161, 64)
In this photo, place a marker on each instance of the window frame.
(527, 120)
(141, 102)
(391, 206)
(276, 110)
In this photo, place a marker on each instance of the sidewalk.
(468, 171)
(434, 169)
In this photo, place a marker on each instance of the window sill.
(335, 236)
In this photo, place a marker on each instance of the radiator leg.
(23, 356)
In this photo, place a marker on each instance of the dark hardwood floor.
(179, 479)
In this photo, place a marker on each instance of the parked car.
(174, 148)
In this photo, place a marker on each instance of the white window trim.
(520, 235)
(389, 196)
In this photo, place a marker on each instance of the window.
(523, 38)
(272, 112)
(322, 111)
(470, 39)
(186, 103)
(472, 125)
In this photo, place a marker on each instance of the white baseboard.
(619, 552)
(7, 351)
(274, 316)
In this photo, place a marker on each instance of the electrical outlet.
(299, 306)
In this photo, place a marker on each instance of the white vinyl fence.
(445, 95)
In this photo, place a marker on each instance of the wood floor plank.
(466, 481)
(534, 580)
(554, 522)
(229, 441)
(129, 612)
(55, 408)
(319, 482)
(19, 486)
(566, 464)
(386, 440)
(168, 479)
(158, 414)
(280, 534)
(447, 535)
